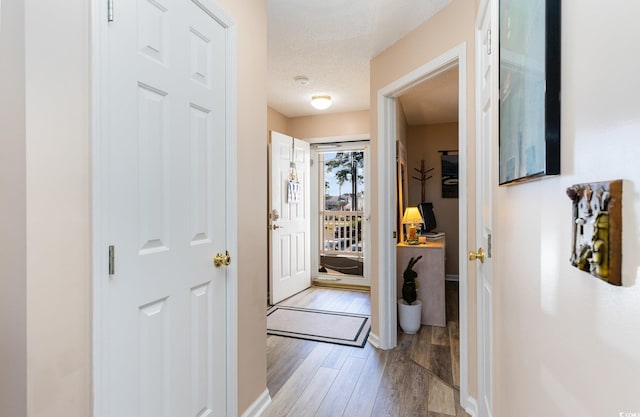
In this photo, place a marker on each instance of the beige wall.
(58, 153)
(567, 344)
(319, 126)
(13, 223)
(277, 122)
(251, 19)
(445, 31)
(423, 144)
(330, 125)
(52, 196)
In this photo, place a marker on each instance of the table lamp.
(412, 217)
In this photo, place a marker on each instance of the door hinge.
(109, 10)
(489, 42)
(112, 260)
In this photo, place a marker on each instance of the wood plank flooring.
(420, 377)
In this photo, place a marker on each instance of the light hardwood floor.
(420, 377)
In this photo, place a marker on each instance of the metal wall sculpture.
(597, 229)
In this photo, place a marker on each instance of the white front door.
(289, 217)
(165, 305)
(484, 183)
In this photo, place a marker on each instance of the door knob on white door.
(473, 256)
(275, 226)
(221, 259)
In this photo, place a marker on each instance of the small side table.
(431, 278)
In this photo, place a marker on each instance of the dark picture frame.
(449, 175)
(529, 108)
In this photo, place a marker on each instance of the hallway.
(420, 377)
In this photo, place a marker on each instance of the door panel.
(289, 233)
(154, 359)
(484, 211)
(152, 169)
(166, 320)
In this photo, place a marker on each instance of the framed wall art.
(449, 174)
(529, 90)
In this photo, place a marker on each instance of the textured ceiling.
(331, 43)
(433, 101)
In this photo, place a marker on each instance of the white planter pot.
(409, 316)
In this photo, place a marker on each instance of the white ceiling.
(433, 101)
(331, 43)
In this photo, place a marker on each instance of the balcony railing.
(342, 236)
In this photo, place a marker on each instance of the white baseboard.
(452, 277)
(374, 340)
(471, 407)
(259, 405)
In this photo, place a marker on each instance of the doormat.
(318, 325)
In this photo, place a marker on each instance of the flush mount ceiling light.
(321, 101)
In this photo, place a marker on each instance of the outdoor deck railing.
(342, 233)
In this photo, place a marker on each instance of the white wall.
(566, 343)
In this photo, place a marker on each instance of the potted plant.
(409, 307)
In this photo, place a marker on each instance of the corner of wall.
(13, 256)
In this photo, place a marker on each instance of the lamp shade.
(412, 216)
(321, 101)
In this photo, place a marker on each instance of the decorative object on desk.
(529, 90)
(412, 217)
(409, 307)
(423, 178)
(597, 229)
(429, 223)
(434, 235)
(449, 174)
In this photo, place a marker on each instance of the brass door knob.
(477, 255)
(221, 259)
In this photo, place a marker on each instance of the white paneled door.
(485, 54)
(165, 324)
(289, 217)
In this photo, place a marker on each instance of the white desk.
(430, 269)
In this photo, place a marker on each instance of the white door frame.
(99, 215)
(362, 141)
(386, 206)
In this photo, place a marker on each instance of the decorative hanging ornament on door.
(294, 189)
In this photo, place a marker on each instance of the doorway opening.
(387, 98)
(340, 229)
